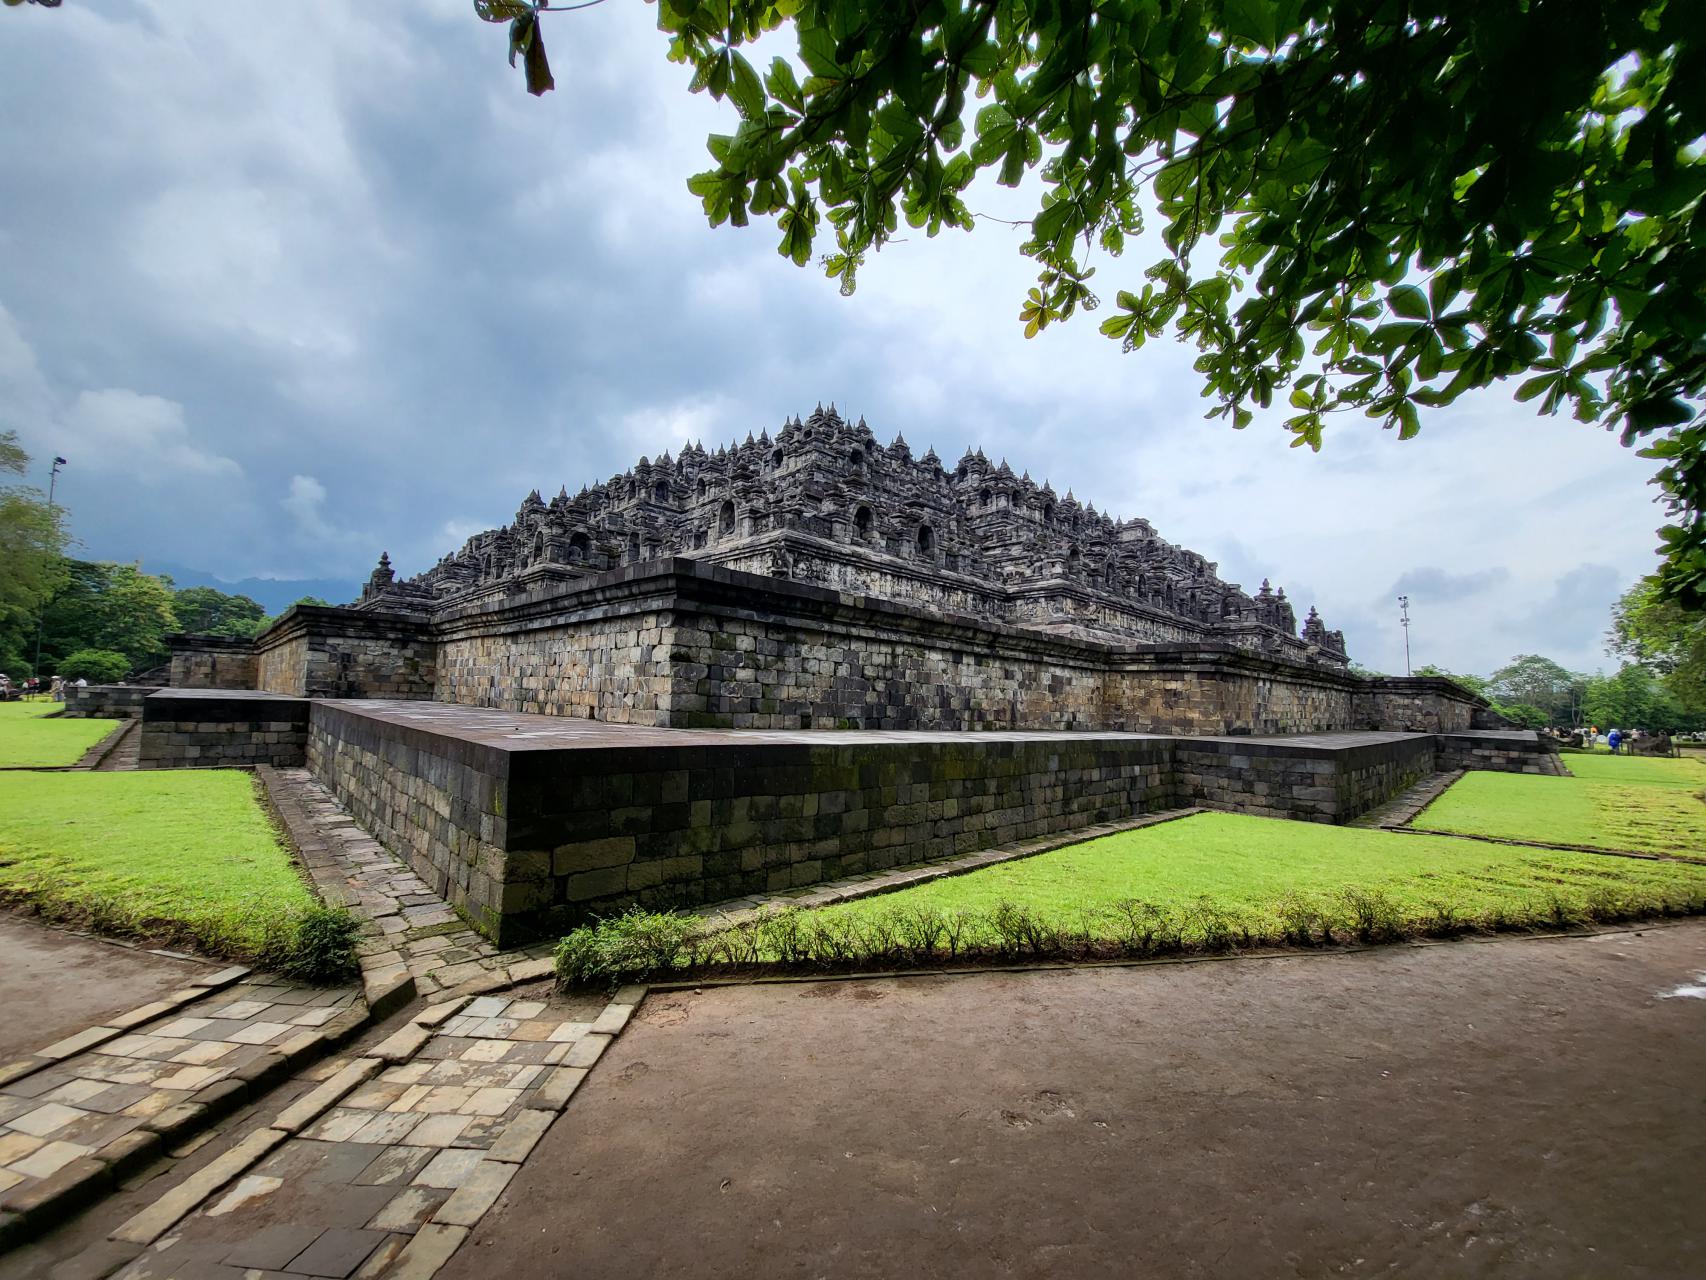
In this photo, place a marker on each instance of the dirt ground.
(1521, 1107)
(53, 983)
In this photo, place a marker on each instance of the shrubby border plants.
(639, 945)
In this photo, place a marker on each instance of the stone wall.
(319, 652)
(1316, 781)
(661, 829)
(204, 729)
(1417, 704)
(1209, 691)
(529, 839)
(687, 644)
(436, 802)
(691, 645)
(211, 662)
(1502, 750)
(106, 701)
(618, 670)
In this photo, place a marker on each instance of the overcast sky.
(293, 283)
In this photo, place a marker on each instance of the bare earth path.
(1519, 1107)
(53, 983)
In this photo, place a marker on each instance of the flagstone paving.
(406, 925)
(384, 1168)
(76, 1111)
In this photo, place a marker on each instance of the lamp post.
(1404, 617)
(41, 619)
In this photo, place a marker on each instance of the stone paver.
(406, 925)
(382, 1169)
(96, 1095)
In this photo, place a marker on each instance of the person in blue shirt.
(1616, 740)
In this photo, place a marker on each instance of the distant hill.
(273, 594)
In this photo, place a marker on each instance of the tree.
(110, 606)
(97, 666)
(1665, 636)
(1368, 206)
(32, 558)
(1634, 698)
(1474, 684)
(210, 612)
(1523, 715)
(1538, 682)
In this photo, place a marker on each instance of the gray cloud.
(290, 284)
(1434, 584)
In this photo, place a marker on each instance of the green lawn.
(1651, 805)
(1250, 867)
(1208, 881)
(28, 739)
(187, 855)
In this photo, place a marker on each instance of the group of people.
(31, 687)
(1620, 741)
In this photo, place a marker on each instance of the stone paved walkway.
(79, 1110)
(407, 926)
(383, 1169)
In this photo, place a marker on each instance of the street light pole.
(41, 619)
(1404, 604)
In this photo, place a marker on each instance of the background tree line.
(1660, 686)
(98, 620)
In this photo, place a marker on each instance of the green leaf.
(783, 86)
(502, 10)
(1409, 301)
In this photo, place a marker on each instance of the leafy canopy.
(113, 607)
(211, 612)
(1368, 206)
(32, 550)
(97, 666)
(1661, 634)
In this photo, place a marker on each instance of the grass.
(1647, 804)
(29, 740)
(182, 856)
(1209, 882)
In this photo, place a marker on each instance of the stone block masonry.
(212, 662)
(1322, 778)
(221, 728)
(530, 823)
(686, 644)
(107, 701)
(1502, 750)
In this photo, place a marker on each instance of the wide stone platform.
(530, 822)
(527, 823)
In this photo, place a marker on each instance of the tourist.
(1615, 739)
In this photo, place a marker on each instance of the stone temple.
(824, 503)
(805, 657)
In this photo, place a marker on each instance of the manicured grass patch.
(30, 710)
(1258, 868)
(28, 739)
(179, 855)
(1639, 771)
(1613, 802)
(1208, 882)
